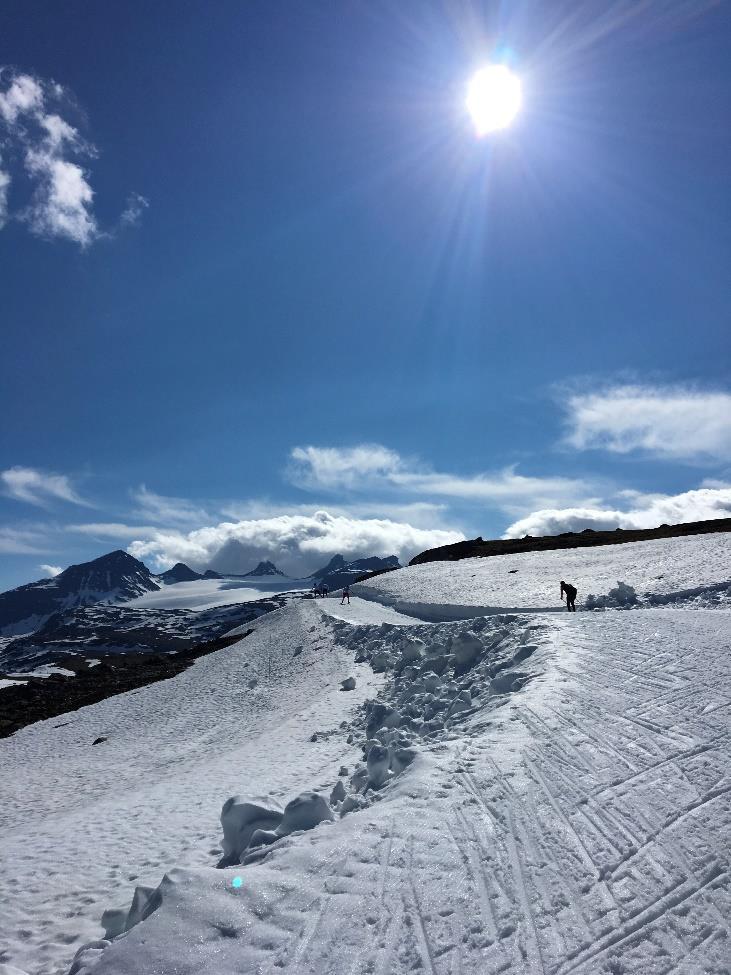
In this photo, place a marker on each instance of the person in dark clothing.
(346, 595)
(570, 591)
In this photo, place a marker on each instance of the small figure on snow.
(324, 589)
(346, 595)
(570, 591)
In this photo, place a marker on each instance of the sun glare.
(494, 97)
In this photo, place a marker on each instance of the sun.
(494, 97)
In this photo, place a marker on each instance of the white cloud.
(62, 203)
(369, 466)
(297, 541)
(38, 487)
(336, 468)
(51, 570)
(134, 208)
(51, 151)
(159, 507)
(648, 511)
(22, 541)
(672, 422)
(4, 186)
(112, 529)
(23, 95)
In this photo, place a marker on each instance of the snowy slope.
(562, 802)
(659, 570)
(82, 824)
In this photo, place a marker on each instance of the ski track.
(578, 825)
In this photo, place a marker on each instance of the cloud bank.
(297, 543)
(675, 423)
(370, 466)
(648, 511)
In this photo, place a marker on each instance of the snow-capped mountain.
(336, 563)
(111, 578)
(264, 569)
(180, 572)
(338, 573)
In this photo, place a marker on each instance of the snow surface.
(82, 824)
(208, 593)
(661, 571)
(364, 611)
(543, 793)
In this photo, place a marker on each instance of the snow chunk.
(305, 811)
(622, 596)
(240, 818)
(466, 647)
(338, 792)
(379, 762)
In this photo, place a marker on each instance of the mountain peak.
(114, 577)
(336, 563)
(180, 572)
(264, 569)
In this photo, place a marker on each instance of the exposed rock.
(348, 684)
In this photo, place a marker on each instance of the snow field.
(81, 825)
(664, 570)
(573, 816)
(533, 793)
(209, 593)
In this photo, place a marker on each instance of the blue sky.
(261, 280)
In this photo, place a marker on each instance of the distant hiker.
(324, 589)
(570, 591)
(346, 595)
